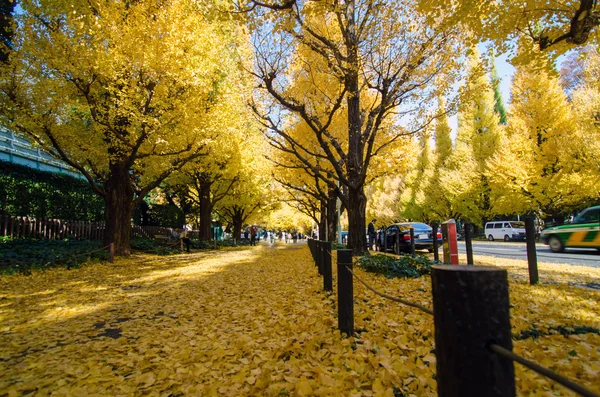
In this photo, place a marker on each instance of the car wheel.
(506, 238)
(491, 238)
(555, 244)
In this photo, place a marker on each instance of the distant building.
(17, 150)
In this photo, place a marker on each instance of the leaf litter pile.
(254, 321)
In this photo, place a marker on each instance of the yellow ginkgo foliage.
(124, 92)
(543, 166)
(255, 322)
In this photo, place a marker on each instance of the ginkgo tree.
(252, 194)
(206, 181)
(544, 165)
(551, 26)
(479, 132)
(586, 108)
(124, 92)
(379, 59)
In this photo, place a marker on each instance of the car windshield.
(517, 225)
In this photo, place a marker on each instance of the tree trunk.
(237, 225)
(332, 218)
(323, 221)
(357, 200)
(357, 204)
(205, 210)
(119, 209)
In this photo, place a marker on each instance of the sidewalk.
(249, 321)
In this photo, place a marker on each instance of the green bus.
(584, 232)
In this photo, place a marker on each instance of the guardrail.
(473, 341)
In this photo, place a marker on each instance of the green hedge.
(404, 266)
(24, 255)
(28, 192)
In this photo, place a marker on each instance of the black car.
(423, 237)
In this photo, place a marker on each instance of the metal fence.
(58, 229)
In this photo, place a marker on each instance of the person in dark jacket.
(372, 233)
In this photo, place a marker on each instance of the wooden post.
(320, 258)
(313, 252)
(397, 245)
(468, 243)
(470, 305)
(111, 252)
(345, 292)
(531, 252)
(181, 245)
(436, 246)
(327, 276)
(412, 242)
(385, 240)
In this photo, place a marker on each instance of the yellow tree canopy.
(379, 58)
(113, 81)
(542, 166)
(478, 137)
(586, 106)
(551, 26)
(125, 92)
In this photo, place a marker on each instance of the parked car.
(505, 230)
(583, 232)
(423, 237)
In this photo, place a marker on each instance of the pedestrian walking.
(372, 233)
(253, 231)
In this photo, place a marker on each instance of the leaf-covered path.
(250, 321)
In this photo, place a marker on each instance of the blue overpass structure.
(17, 150)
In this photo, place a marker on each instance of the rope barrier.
(399, 300)
(542, 371)
(507, 354)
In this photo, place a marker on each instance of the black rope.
(542, 371)
(399, 300)
(497, 349)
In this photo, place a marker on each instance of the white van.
(505, 230)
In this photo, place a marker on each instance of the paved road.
(517, 250)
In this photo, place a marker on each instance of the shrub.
(336, 246)
(24, 255)
(157, 247)
(389, 266)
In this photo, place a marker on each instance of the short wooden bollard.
(471, 311)
(397, 245)
(469, 243)
(111, 252)
(320, 250)
(345, 292)
(327, 276)
(181, 245)
(412, 241)
(531, 252)
(311, 246)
